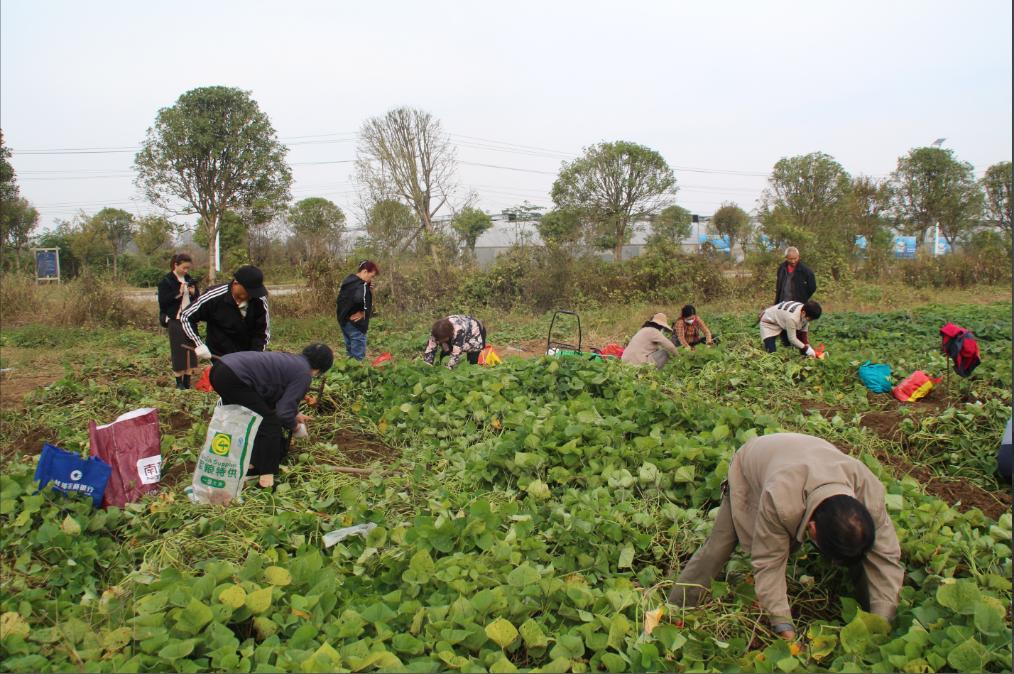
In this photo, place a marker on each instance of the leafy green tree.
(867, 209)
(470, 224)
(806, 201)
(153, 234)
(671, 225)
(524, 212)
(561, 226)
(89, 241)
(614, 185)
(118, 226)
(215, 151)
(997, 185)
(8, 179)
(18, 219)
(731, 221)
(931, 187)
(390, 225)
(318, 225)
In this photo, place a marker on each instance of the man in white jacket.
(791, 322)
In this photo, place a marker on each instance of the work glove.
(203, 352)
(300, 431)
(810, 353)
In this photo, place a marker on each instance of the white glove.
(810, 353)
(203, 352)
(300, 431)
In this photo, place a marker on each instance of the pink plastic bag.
(132, 446)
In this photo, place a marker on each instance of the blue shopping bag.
(71, 474)
(876, 376)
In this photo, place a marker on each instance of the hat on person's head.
(661, 319)
(252, 280)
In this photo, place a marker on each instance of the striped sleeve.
(267, 324)
(195, 312)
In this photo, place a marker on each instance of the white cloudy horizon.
(722, 90)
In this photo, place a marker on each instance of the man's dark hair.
(845, 529)
(812, 310)
(321, 357)
(688, 311)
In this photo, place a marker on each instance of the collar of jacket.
(652, 324)
(815, 498)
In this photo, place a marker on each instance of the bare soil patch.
(178, 422)
(359, 449)
(957, 492)
(14, 386)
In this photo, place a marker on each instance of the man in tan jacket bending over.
(782, 488)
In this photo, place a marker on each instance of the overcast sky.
(721, 89)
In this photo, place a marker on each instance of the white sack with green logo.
(223, 462)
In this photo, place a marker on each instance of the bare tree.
(405, 155)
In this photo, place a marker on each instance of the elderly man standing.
(795, 281)
(783, 488)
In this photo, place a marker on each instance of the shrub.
(147, 276)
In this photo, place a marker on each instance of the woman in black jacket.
(354, 308)
(176, 291)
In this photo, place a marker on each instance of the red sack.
(204, 383)
(612, 349)
(131, 445)
(914, 386)
(385, 357)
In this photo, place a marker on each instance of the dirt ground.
(361, 450)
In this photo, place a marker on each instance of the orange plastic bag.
(914, 386)
(488, 357)
(385, 357)
(204, 383)
(612, 349)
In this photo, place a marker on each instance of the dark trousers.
(770, 345)
(269, 448)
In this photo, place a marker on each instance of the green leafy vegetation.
(528, 516)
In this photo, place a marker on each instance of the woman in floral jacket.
(456, 335)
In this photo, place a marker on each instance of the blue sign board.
(904, 246)
(47, 263)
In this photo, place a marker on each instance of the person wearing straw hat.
(651, 344)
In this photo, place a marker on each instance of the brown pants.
(709, 560)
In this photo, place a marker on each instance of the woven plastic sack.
(225, 457)
(132, 445)
(71, 474)
(876, 376)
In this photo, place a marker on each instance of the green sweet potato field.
(528, 516)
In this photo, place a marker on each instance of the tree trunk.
(116, 274)
(212, 240)
(618, 247)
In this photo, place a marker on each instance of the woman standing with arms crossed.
(176, 291)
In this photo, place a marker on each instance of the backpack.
(960, 346)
